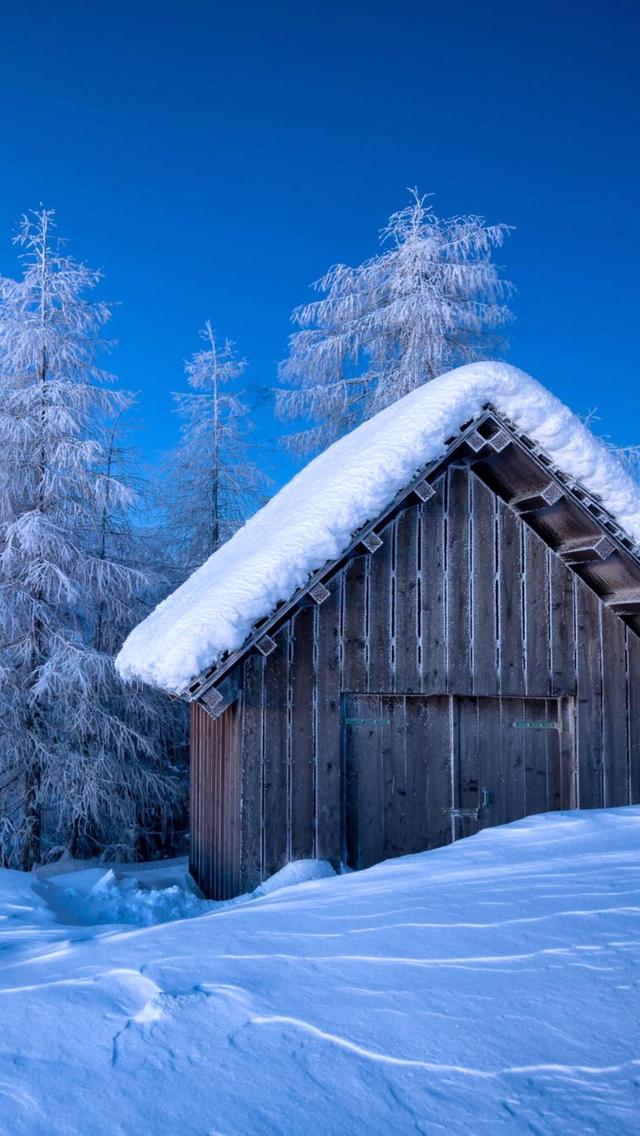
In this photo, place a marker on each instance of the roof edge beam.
(266, 645)
(216, 699)
(537, 499)
(624, 602)
(584, 549)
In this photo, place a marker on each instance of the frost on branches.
(630, 458)
(213, 485)
(432, 300)
(79, 755)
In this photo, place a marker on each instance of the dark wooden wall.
(462, 598)
(216, 772)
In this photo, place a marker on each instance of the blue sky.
(214, 159)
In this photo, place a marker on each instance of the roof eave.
(484, 439)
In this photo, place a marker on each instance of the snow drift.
(490, 987)
(312, 519)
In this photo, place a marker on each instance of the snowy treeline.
(84, 762)
(431, 300)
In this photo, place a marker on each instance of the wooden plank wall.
(216, 770)
(461, 598)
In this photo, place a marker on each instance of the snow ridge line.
(437, 1067)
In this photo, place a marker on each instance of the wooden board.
(433, 592)
(276, 827)
(379, 617)
(536, 615)
(562, 628)
(459, 633)
(510, 601)
(302, 746)
(615, 743)
(633, 664)
(484, 598)
(363, 728)
(405, 624)
(589, 700)
(328, 801)
(354, 625)
(466, 763)
(252, 770)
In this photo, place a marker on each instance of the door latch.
(486, 801)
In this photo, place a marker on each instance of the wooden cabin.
(471, 657)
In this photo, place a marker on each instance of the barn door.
(421, 771)
(511, 758)
(397, 773)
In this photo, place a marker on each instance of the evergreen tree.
(80, 762)
(213, 484)
(432, 300)
(630, 458)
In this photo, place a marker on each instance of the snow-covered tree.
(630, 458)
(80, 764)
(432, 299)
(212, 482)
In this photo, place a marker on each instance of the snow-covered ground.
(489, 987)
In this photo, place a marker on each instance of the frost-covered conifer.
(212, 484)
(433, 299)
(628, 455)
(630, 458)
(79, 756)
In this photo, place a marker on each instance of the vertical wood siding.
(461, 599)
(216, 775)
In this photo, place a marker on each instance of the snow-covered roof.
(313, 518)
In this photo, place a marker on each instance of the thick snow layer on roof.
(312, 519)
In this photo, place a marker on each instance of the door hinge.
(367, 721)
(560, 727)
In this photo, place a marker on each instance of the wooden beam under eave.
(624, 602)
(216, 699)
(371, 541)
(495, 443)
(535, 499)
(424, 490)
(581, 550)
(266, 645)
(315, 596)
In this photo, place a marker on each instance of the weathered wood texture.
(461, 599)
(421, 770)
(216, 773)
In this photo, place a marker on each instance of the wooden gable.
(571, 522)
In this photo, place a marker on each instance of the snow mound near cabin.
(490, 987)
(312, 519)
(146, 894)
